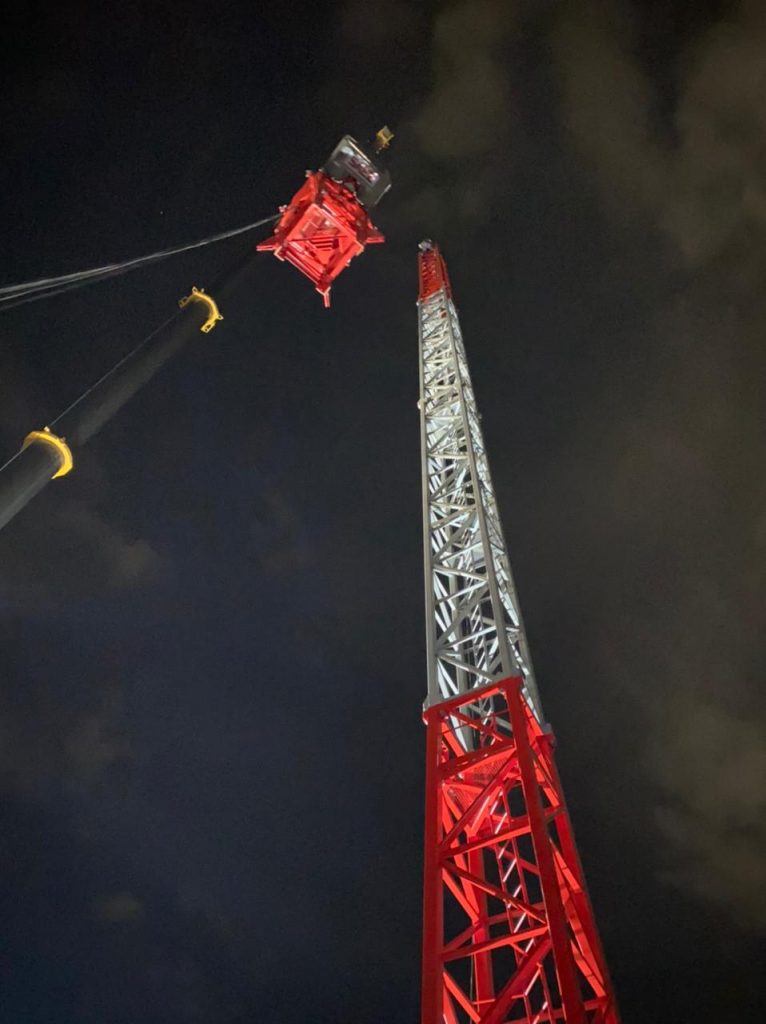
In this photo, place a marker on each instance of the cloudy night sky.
(211, 633)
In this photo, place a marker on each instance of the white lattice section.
(474, 628)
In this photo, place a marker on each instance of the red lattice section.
(432, 271)
(321, 231)
(509, 935)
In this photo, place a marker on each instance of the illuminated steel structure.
(327, 222)
(509, 934)
(320, 231)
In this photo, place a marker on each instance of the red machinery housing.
(327, 223)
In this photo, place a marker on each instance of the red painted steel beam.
(432, 271)
(508, 933)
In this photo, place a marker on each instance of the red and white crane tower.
(509, 935)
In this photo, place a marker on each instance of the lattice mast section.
(508, 931)
(475, 632)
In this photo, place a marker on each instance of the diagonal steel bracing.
(473, 621)
(508, 930)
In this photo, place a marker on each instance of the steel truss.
(475, 632)
(508, 930)
(508, 935)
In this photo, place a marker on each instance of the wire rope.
(46, 287)
(121, 362)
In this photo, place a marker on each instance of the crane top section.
(327, 223)
(432, 270)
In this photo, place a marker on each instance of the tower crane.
(509, 935)
(508, 930)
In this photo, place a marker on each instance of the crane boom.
(320, 231)
(47, 454)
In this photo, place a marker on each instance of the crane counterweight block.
(327, 223)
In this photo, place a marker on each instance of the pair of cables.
(32, 291)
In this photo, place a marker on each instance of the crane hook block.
(62, 449)
(198, 295)
(327, 222)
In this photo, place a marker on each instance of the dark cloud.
(684, 496)
(93, 743)
(369, 25)
(607, 108)
(711, 766)
(455, 125)
(683, 481)
(279, 533)
(469, 105)
(83, 556)
(700, 173)
(52, 741)
(120, 908)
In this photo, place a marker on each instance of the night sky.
(212, 639)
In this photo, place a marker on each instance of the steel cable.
(46, 287)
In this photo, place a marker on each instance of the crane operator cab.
(327, 223)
